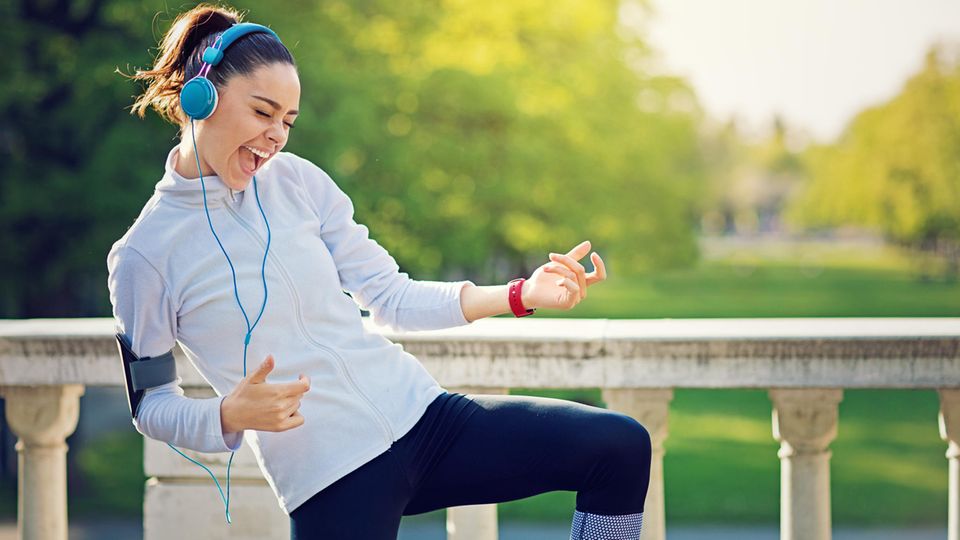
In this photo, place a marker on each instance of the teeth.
(257, 152)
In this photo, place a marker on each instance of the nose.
(277, 134)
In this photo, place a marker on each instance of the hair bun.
(205, 21)
(167, 76)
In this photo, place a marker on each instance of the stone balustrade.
(805, 364)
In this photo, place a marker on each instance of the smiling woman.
(247, 129)
(378, 436)
(256, 81)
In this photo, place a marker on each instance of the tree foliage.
(472, 137)
(896, 166)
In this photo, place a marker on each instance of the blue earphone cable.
(246, 339)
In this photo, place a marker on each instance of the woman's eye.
(289, 125)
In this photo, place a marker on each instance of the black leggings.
(486, 448)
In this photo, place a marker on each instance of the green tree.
(473, 138)
(498, 133)
(72, 173)
(896, 167)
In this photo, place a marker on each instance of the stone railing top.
(560, 352)
(535, 329)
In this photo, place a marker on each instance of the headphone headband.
(213, 55)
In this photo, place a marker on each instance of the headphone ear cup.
(198, 98)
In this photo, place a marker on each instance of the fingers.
(296, 420)
(296, 388)
(282, 411)
(265, 367)
(291, 410)
(304, 380)
(560, 269)
(274, 407)
(577, 269)
(579, 250)
(599, 269)
(572, 286)
(284, 414)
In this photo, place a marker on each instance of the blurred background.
(742, 158)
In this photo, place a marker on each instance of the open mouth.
(249, 161)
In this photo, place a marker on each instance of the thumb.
(265, 367)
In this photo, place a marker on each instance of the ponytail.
(180, 58)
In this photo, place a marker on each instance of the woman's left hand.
(563, 282)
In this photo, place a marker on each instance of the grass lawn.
(721, 465)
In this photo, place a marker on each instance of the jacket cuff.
(226, 442)
(456, 309)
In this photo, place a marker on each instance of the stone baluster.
(476, 521)
(650, 408)
(804, 423)
(182, 501)
(949, 419)
(42, 417)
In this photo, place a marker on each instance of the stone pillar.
(804, 423)
(181, 500)
(949, 419)
(650, 408)
(476, 521)
(42, 417)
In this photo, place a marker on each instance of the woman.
(350, 431)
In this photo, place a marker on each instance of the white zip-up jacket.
(169, 282)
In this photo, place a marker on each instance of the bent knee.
(626, 440)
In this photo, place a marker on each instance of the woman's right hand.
(262, 406)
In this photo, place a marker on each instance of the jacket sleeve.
(147, 317)
(370, 274)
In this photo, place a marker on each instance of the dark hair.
(181, 52)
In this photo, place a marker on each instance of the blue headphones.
(198, 98)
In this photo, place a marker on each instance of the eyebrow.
(275, 104)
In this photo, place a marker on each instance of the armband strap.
(142, 373)
(153, 371)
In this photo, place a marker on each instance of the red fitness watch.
(516, 285)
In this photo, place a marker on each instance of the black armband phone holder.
(142, 373)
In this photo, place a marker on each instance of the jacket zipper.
(341, 364)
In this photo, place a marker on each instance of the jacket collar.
(189, 191)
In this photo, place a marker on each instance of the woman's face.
(254, 111)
